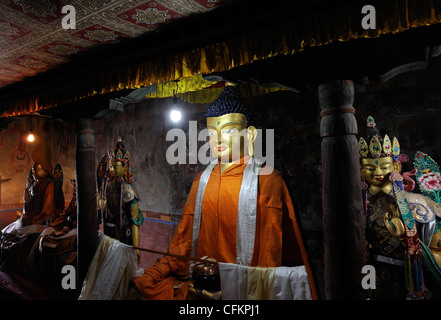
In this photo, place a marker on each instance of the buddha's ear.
(397, 166)
(251, 134)
(362, 173)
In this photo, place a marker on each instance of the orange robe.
(45, 209)
(278, 241)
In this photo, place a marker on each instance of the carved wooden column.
(86, 197)
(343, 216)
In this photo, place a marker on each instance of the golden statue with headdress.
(400, 224)
(239, 212)
(118, 198)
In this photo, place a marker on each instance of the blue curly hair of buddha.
(231, 101)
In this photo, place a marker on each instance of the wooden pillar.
(343, 215)
(86, 198)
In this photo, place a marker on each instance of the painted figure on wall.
(238, 213)
(118, 198)
(20, 159)
(400, 224)
(43, 204)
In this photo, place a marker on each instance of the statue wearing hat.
(400, 224)
(238, 212)
(118, 198)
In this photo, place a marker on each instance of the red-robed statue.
(43, 204)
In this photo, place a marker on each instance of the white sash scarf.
(246, 211)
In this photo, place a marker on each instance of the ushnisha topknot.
(231, 101)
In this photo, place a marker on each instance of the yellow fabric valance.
(285, 38)
(178, 87)
(198, 90)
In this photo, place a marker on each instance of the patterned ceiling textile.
(284, 38)
(33, 40)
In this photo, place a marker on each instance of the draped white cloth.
(256, 283)
(17, 229)
(112, 268)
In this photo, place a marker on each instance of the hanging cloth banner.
(412, 241)
(414, 281)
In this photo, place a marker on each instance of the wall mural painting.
(19, 160)
(12, 143)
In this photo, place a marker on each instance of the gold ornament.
(370, 122)
(363, 147)
(378, 147)
(396, 148)
(375, 147)
(387, 145)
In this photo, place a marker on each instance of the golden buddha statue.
(118, 199)
(399, 222)
(233, 214)
(376, 171)
(226, 137)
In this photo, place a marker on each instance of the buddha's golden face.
(227, 140)
(377, 171)
(117, 170)
(38, 171)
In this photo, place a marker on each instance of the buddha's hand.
(393, 222)
(205, 294)
(101, 201)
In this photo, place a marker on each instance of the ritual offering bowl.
(206, 277)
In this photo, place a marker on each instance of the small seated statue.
(399, 222)
(43, 204)
(118, 198)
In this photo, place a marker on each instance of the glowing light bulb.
(175, 115)
(31, 137)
